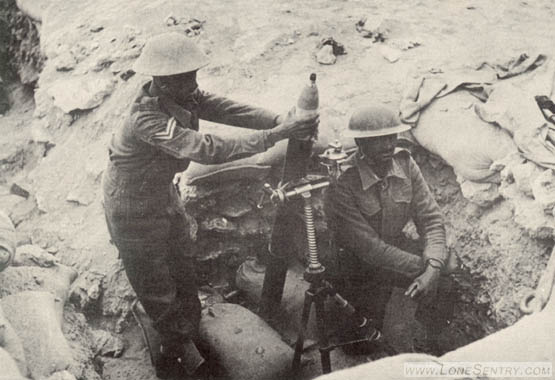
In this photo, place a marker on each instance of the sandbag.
(250, 277)
(56, 280)
(8, 367)
(36, 318)
(10, 342)
(7, 239)
(450, 128)
(245, 345)
(512, 105)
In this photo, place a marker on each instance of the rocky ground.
(57, 129)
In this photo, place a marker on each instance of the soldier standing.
(144, 214)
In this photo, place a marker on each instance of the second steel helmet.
(169, 54)
(373, 121)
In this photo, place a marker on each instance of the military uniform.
(144, 215)
(367, 215)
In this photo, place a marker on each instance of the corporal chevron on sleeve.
(169, 132)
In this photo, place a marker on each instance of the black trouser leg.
(164, 281)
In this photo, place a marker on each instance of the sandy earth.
(261, 52)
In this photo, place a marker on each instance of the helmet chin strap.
(380, 168)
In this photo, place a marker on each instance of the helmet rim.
(169, 54)
(376, 133)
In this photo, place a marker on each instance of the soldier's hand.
(425, 285)
(292, 125)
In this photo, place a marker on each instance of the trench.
(229, 228)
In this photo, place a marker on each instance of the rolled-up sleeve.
(352, 232)
(427, 217)
(222, 110)
(169, 135)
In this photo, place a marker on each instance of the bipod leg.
(299, 345)
(322, 332)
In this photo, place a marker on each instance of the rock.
(390, 54)
(77, 331)
(45, 238)
(218, 224)
(86, 290)
(543, 189)
(217, 249)
(338, 48)
(10, 153)
(209, 296)
(96, 28)
(325, 55)
(9, 366)
(235, 207)
(55, 280)
(102, 62)
(62, 375)
(170, 20)
(30, 255)
(46, 348)
(482, 194)
(378, 28)
(125, 75)
(524, 175)
(252, 224)
(8, 202)
(405, 43)
(531, 215)
(23, 211)
(82, 195)
(65, 61)
(117, 294)
(106, 344)
(80, 93)
(10, 342)
(18, 190)
(33, 9)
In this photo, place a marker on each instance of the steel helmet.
(169, 54)
(373, 121)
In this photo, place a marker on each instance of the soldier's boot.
(183, 362)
